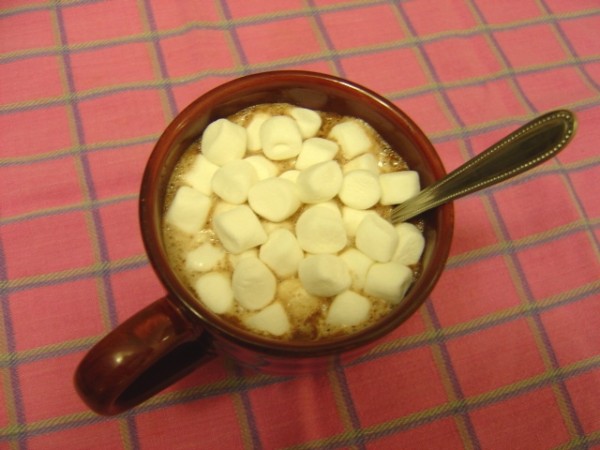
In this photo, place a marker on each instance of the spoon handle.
(523, 149)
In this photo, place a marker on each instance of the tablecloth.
(505, 353)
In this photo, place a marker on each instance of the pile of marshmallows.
(237, 175)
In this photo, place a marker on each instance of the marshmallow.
(410, 244)
(199, 176)
(358, 264)
(377, 238)
(235, 259)
(254, 285)
(221, 207)
(320, 230)
(204, 258)
(214, 291)
(348, 309)
(352, 137)
(360, 189)
(353, 217)
(314, 151)
(366, 161)
(239, 229)
(223, 141)
(281, 253)
(233, 181)
(388, 281)
(308, 121)
(324, 275)
(263, 167)
(273, 319)
(275, 199)
(397, 187)
(253, 130)
(320, 182)
(291, 175)
(280, 138)
(298, 303)
(188, 210)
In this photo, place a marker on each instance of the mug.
(176, 334)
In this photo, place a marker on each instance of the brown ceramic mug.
(174, 335)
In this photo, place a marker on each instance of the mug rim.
(150, 205)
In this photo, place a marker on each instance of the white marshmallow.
(291, 175)
(353, 217)
(188, 210)
(263, 167)
(281, 253)
(299, 304)
(324, 275)
(200, 174)
(388, 281)
(314, 151)
(254, 285)
(358, 264)
(273, 319)
(214, 291)
(320, 230)
(204, 258)
(221, 207)
(275, 199)
(377, 238)
(352, 137)
(397, 187)
(320, 182)
(410, 244)
(253, 130)
(239, 229)
(360, 189)
(348, 309)
(308, 121)
(280, 138)
(233, 180)
(366, 161)
(223, 141)
(235, 259)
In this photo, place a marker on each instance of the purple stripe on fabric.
(335, 58)
(44, 7)
(250, 416)
(349, 403)
(237, 43)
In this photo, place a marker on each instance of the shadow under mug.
(174, 335)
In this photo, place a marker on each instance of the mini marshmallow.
(352, 137)
(410, 244)
(221, 207)
(348, 309)
(388, 281)
(239, 229)
(204, 258)
(275, 199)
(281, 253)
(298, 303)
(358, 264)
(397, 187)
(314, 151)
(253, 284)
(235, 259)
(291, 175)
(280, 138)
(263, 167)
(308, 121)
(366, 161)
(233, 180)
(188, 210)
(321, 230)
(360, 189)
(353, 217)
(214, 291)
(320, 182)
(273, 320)
(324, 275)
(223, 141)
(253, 131)
(377, 238)
(200, 174)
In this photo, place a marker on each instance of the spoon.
(523, 149)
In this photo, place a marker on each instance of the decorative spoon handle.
(525, 148)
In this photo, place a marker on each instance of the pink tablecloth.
(506, 352)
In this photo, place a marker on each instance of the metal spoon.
(525, 148)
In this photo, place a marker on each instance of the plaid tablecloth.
(505, 354)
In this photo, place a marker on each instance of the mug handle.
(148, 352)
